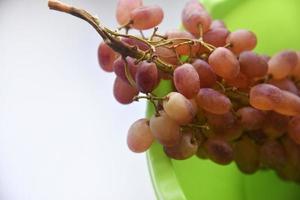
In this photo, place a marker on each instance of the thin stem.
(108, 35)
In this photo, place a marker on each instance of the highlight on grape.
(228, 104)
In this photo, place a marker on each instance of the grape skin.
(224, 63)
(165, 130)
(206, 75)
(124, 8)
(252, 65)
(213, 101)
(119, 68)
(193, 15)
(179, 108)
(123, 92)
(187, 147)
(282, 64)
(139, 137)
(219, 151)
(186, 80)
(106, 57)
(241, 40)
(146, 17)
(265, 96)
(146, 77)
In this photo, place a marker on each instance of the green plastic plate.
(277, 26)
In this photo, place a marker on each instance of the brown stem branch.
(114, 42)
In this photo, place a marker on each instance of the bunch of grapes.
(228, 103)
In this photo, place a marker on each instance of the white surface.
(62, 135)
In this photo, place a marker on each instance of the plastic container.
(276, 23)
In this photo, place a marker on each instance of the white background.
(62, 135)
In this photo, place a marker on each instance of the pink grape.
(186, 80)
(252, 65)
(265, 96)
(219, 151)
(285, 84)
(224, 63)
(282, 64)
(251, 118)
(207, 76)
(241, 40)
(124, 8)
(165, 130)
(146, 77)
(179, 108)
(193, 16)
(217, 23)
(240, 81)
(123, 92)
(119, 68)
(246, 155)
(213, 101)
(139, 137)
(186, 148)
(296, 71)
(106, 57)
(289, 105)
(146, 17)
(216, 37)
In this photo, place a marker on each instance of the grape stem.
(113, 38)
(109, 36)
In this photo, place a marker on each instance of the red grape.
(207, 76)
(146, 77)
(124, 7)
(123, 92)
(106, 57)
(241, 40)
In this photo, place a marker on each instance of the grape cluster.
(228, 103)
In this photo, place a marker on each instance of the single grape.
(179, 108)
(252, 65)
(207, 76)
(186, 49)
(165, 130)
(276, 125)
(186, 80)
(146, 17)
(123, 92)
(167, 55)
(217, 23)
(186, 148)
(194, 18)
(294, 129)
(224, 63)
(229, 134)
(290, 104)
(265, 96)
(241, 81)
(119, 68)
(216, 37)
(282, 64)
(146, 77)
(251, 118)
(272, 154)
(296, 70)
(139, 137)
(219, 151)
(241, 40)
(124, 8)
(246, 155)
(220, 121)
(285, 84)
(106, 57)
(213, 101)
